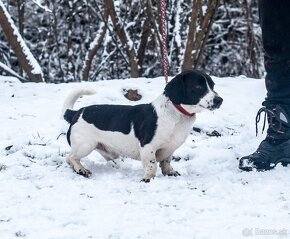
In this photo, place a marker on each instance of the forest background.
(75, 40)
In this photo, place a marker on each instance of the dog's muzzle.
(217, 102)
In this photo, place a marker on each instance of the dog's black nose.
(217, 101)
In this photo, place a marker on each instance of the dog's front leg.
(148, 159)
(167, 169)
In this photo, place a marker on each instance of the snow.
(41, 197)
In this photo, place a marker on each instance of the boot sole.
(284, 161)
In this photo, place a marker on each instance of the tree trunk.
(21, 13)
(199, 28)
(252, 45)
(191, 36)
(21, 19)
(70, 74)
(95, 46)
(56, 38)
(146, 31)
(206, 24)
(127, 45)
(27, 62)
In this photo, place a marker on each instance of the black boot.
(275, 148)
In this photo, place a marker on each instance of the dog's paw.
(145, 180)
(174, 173)
(84, 172)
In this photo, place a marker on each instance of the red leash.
(164, 40)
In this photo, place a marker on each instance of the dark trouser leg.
(275, 24)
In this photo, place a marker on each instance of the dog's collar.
(183, 111)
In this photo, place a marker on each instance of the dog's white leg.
(75, 155)
(74, 162)
(148, 159)
(167, 169)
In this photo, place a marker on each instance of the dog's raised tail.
(67, 109)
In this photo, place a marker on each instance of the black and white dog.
(146, 132)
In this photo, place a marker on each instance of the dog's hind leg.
(148, 159)
(167, 169)
(75, 156)
(105, 152)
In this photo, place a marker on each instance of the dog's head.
(194, 90)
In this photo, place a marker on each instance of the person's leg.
(275, 24)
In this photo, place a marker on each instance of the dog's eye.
(198, 87)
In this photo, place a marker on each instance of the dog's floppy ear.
(175, 89)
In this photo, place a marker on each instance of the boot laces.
(274, 121)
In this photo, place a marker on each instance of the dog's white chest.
(171, 135)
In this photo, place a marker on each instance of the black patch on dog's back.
(122, 118)
(145, 125)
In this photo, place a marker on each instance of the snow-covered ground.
(40, 196)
